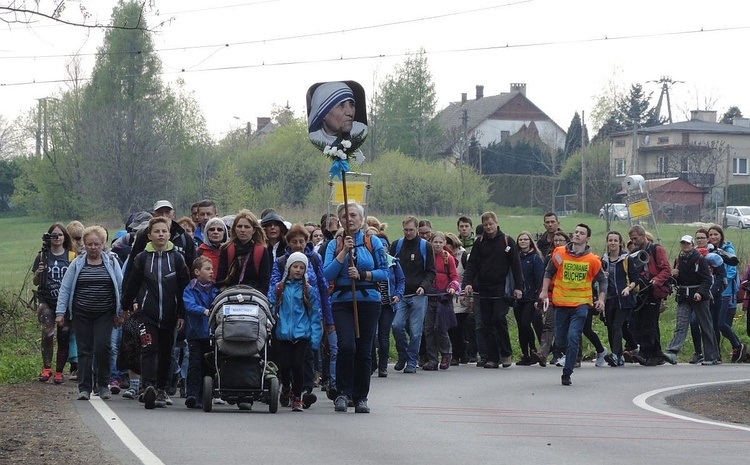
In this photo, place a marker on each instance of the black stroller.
(241, 323)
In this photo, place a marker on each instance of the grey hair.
(354, 204)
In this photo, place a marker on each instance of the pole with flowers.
(337, 124)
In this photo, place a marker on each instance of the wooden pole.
(351, 256)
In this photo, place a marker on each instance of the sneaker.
(73, 376)
(711, 362)
(621, 361)
(536, 358)
(399, 365)
(219, 401)
(554, 361)
(83, 395)
(341, 404)
(430, 366)
(59, 378)
(105, 393)
(600, 362)
(308, 399)
(190, 402)
(670, 357)
(446, 362)
(611, 360)
(129, 394)
(491, 364)
(560, 361)
(149, 397)
(455, 362)
(566, 381)
(697, 358)
(286, 397)
(738, 353)
(245, 406)
(507, 361)
(362, 407)
(161, 399)
(168, 400)
(46, 375)
(114, 387)
(124, 382)
(481, 362)
(297, 405)
(332, 392)
(383, 373)
(628, 356)
(409, 369)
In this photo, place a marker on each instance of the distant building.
(707, 154)
(507, 116)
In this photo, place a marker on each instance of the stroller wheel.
(208, 393)
(273, 395)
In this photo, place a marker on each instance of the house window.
(620, 167)
(661, 165)
(663, 140)
(740, 166)
(504, 135)
(620, 143)
(685, 138)
(684, 165)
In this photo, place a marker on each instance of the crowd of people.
(132, 315)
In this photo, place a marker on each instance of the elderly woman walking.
(90, 298)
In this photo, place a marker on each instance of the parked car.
(617, 211)
(738, 216)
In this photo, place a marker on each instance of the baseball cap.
(687, 238)
(163, 204)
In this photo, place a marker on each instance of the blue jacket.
(68, 285)
(367, 291)
(618, 279)
(315, 276)
(532, 268)
(732, 278)
(294, 321)
(197, 301)
(396, 278)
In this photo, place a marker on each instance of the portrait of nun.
(336, 111)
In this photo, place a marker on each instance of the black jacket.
(490, 264)
(694, 272)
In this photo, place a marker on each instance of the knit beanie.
(294, 258)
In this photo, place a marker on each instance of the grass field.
(21, 240)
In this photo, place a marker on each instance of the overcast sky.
(240, 58)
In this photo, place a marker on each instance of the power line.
(507, 46)
(284, 38)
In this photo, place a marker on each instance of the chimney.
(263, 121)
(463, 98)
(518, 87)
(708, 116)
(480, 92)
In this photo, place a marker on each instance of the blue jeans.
(409, 311)
(353, 367)
(333, 351)
(720, 324)
(116, 338)
(384, 336)
(569, 323)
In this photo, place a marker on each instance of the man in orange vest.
(573, 269)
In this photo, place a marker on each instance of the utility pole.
(39, 127)
(583, 172)
(464, 145)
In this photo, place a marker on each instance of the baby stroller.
(241, 322)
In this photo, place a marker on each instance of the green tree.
(599, 188)
(574, 137)
(730, 115)
(9, 171)
(403, 110)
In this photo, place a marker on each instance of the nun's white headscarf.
(325, 97)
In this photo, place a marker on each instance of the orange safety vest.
(574, 278)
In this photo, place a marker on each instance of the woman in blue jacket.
(350, 260)
(528, 317)
(622, 278)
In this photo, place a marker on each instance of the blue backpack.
(422, 248)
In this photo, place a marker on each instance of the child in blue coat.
(198, 296)
(299, 325)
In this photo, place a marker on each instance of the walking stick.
(351, 256)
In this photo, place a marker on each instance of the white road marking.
(127, 437)
(641, 401)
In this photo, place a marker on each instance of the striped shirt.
(95, 291)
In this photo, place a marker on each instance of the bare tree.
(31, 11)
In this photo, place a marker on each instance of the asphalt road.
(465, 415)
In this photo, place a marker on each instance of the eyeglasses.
(218, 229)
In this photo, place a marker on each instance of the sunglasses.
(216, 229)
